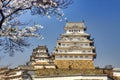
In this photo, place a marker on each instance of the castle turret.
(41, 59)
(75, 49)
(40, 55)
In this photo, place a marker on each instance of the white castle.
(75, 49)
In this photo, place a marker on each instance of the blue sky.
(102, 18)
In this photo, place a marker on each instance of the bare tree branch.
(3, 18)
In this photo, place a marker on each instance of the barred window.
(86, 56)
(65, 56)
(60, 56)
(81, 56)
(76, 56)
(71, 56)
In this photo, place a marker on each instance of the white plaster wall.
(38, 67)
(45, 60)
(50, 67)
(39, 55)
(19, 73)
(116, 73)
(16, 79)
(74, 78)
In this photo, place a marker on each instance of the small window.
(86, 56)
(67, 44)
(56, 50)
(69, 30)
(81, 56)
(78, 38)
(65, 56)
(81, 44)
(84, 51)
(89, 51)
(71, 38)
(61, 50)
(75, 30)
(65, 51)
(59, 43)
(63, 44)
(82, 38)
(76, 56)
(60, 56)
(86, 44)
(71, 56)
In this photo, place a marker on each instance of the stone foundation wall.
(75, 64)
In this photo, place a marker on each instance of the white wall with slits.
(75, 78)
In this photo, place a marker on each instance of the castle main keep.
(74, 49)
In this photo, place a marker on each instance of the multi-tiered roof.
(40, 55)
(40, 58)
(74, 44)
